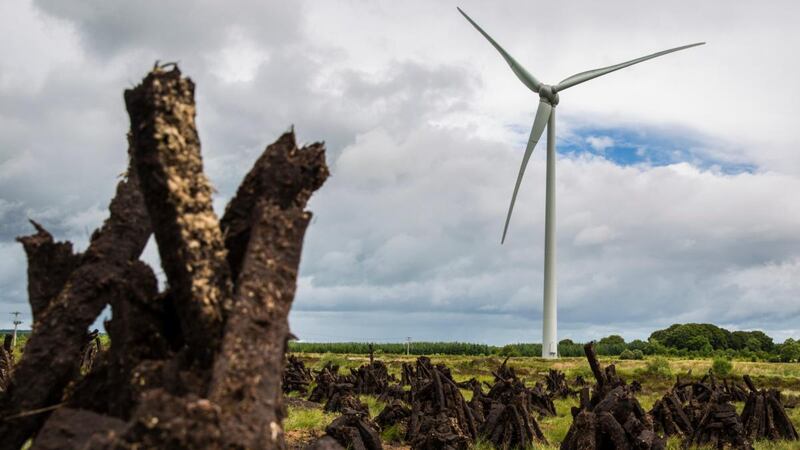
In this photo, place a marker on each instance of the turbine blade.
(523, 75)
(589, 74)
(542, 115)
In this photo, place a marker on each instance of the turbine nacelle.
(547, 93)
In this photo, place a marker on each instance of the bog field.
(650, 381)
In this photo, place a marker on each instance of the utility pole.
(16, 323)
(408, 345)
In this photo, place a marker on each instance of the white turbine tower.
(546, 115)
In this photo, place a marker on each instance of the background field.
(656, 374)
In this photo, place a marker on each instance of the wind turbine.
(546, 115)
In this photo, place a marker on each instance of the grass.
(555, 428)
(307, 419)
(375, 406)
(652, 372)
(394, 433)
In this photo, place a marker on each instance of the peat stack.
(671, 417)
(699, 391)
(296, 376)
(372, 378)
(407, 374)
(198, 365)
(764, 416)
(735, 390)
(469, 384)
(702, 390)
(506, 380)
(695, 395)
(720, 426)
(336, 391)
(342, 398)
(540, 400)
(393, 413)
(440, 418)
(506, 413)
(556, 382)
(325, 380)
(394, 392)
(606, 380)
(612, 418)
(354, 430)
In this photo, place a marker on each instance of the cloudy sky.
(677, 178)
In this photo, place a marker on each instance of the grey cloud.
(176, 28)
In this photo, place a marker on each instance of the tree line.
(690, 340)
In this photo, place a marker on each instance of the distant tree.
(697, 342)
(566, 347)
(638, 344)
(510, 350)
(655, 347)
(739, 340)
(611, 345)
(753, 344)
(767, 344)
(790, 351)
(614, 339)
(687, 336)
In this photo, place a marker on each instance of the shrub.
(658, 367)
(722, 366)
(790, 351)
(638, 344)
(631, 354)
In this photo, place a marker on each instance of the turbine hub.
(548, 94)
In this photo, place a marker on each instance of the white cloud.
(600, 143)
(239, 60)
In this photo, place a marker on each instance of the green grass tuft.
(310, 419)
(394, 434)
(375, 406)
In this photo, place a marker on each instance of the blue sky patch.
(627, 147)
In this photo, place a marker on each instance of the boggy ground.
(307, 421)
